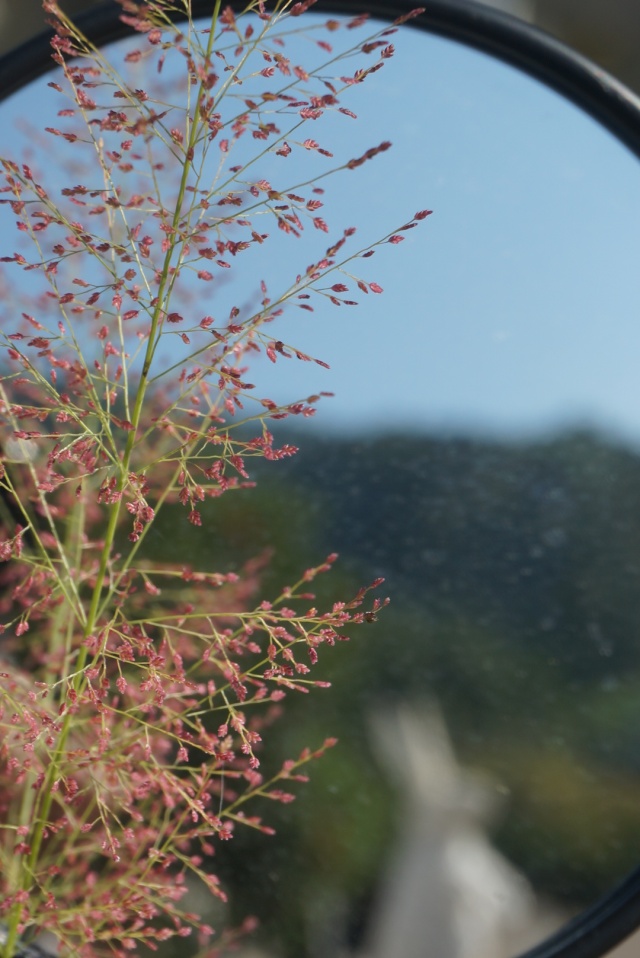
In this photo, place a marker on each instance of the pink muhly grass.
(130, 744)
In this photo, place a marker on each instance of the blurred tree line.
(514, 573)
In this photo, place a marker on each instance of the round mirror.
(481, 452)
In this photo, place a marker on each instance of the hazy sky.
(514, 309)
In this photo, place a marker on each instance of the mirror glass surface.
(482, 453)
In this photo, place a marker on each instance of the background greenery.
(513, 571)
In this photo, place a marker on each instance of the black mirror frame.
(600, 928)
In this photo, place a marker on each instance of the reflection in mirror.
(482, 454)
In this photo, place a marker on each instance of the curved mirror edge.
(483, 28)
(610, 920)
(601, 928)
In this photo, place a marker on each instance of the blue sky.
(513, 310)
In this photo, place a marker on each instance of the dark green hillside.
(543, 539)
(514, 573)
